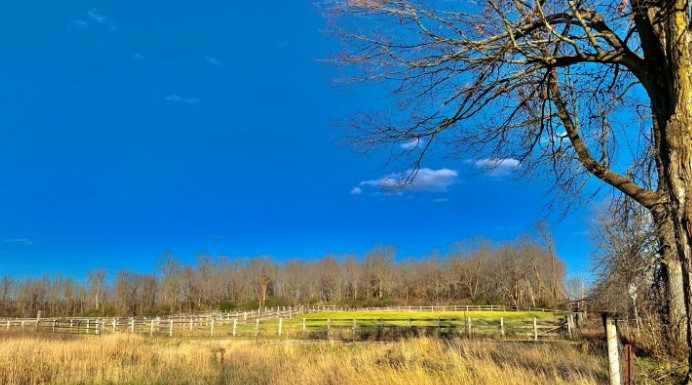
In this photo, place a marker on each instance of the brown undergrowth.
(126, 359)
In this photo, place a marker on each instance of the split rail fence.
(290, 322)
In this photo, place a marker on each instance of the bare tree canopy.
(587, 88)
(549, 82)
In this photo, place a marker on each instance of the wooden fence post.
(502, 326)
(211, 332)
(151, 327)
(114, 325)
(257, 322)
(281, 324)
(468, 324)
(132, 325)
(235, 326)
(535, 330)
(190, 325)
(8, 324)
(613, 353)
(170, 327)
(303, 325)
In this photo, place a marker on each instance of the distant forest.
(526, 272)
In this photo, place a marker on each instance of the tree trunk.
(674, 307)
(675, 148)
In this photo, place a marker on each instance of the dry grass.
(125, 359)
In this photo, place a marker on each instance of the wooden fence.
(288, 323)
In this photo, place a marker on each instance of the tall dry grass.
(125, 359)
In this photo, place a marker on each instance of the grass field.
(393, 314)
(341, 323)
(134, 360)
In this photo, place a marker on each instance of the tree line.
(525, 272)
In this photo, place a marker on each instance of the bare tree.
(559, 83)
(96, 280)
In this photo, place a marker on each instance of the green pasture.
(394, 314)
(322, 321)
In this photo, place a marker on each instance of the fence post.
(98, 327)
(281, 325)
(211, 332)
(257, 321)
(114, 324)
(569, 325)
(535, 330)
(468, 324)
(613, 354)
(54, 321)
(235, 326)
(151, 327)
(170, 327)
(303, 325)
(502, 326)
(132, 325)
(628, 365)
(190, 324)
(8, 324)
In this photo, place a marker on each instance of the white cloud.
(175, 98)
(138, 56)
(356, 191)
(80, 25)
(497, 167)
(424, 179)
(214, 61)
(19, 241)
(557, 139)
(410, 145)
(95, 16)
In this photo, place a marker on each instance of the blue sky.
(133, 128)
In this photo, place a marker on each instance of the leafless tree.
(585, 88)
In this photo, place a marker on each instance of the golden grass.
(125, 359)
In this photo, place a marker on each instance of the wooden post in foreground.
(535, 330)
(170, 327)
(281, 325)
(613, 353)
(235, 326)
